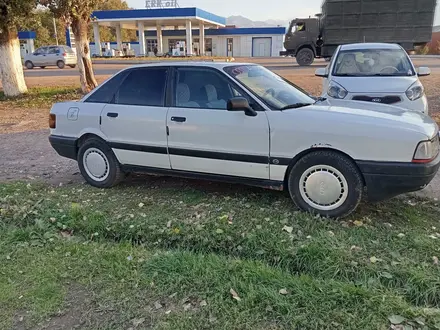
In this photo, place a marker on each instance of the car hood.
(377, 115)
(376, 84)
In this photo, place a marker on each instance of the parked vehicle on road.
(242, 123)
(380, 73)
(408, 23)
(59, 56)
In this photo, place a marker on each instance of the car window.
(106, 92)
(69, 50)
(41, 50)
(373, 62)
(143, 87)
(53, 50)
(203, 88)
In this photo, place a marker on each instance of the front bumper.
(64, 146)
(385, 180)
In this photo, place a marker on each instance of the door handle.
(178, 119)
(112, 114)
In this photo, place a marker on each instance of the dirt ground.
(26, 154)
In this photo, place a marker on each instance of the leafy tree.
(12, 13)
(77, 14)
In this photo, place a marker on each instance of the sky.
(257, 10)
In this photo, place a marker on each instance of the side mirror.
(423, 71)
(321, 72)
(241, 104)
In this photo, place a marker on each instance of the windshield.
(276, 92)
(373, 62)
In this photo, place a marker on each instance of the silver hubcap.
(96, 164)
(323, 187)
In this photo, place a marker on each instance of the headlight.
(415, 91)
(336, 91)
(427, 150)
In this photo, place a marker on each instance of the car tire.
(73, 66)
(29, 65)
(61, 64)
(305, 57)
(43, 67)
(98, 164)
(326, 183)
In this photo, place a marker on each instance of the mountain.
(244, 22)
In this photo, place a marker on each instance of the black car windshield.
(373, 62)
(275, 91)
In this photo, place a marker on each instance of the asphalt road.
(275, 64)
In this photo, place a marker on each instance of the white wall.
(242, 44)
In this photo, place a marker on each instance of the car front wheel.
(98, 164)
(326, 183)
(29, 65)
(61, 64)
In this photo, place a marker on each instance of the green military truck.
(405, 22)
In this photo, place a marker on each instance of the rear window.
(69, 50)
(105, 93)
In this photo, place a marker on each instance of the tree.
(12, 12)
(42, 24)
(77, 14)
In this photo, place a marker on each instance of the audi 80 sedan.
(242, 123)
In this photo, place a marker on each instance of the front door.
(39, 56)
(134, 122)
(230, 47)
(204, 137)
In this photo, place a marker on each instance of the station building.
(172, 30)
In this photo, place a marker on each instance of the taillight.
(52, 121)
(64, 54)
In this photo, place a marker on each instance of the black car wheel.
(98, 164)
(326, 183)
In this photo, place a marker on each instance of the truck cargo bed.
(407, 22)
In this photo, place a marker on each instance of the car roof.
(218, 65)
(371, 45)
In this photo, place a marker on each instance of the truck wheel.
(305, 57)
(326, 183)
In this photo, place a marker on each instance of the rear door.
(53, 55)
(135, 121)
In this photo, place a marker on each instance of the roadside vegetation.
(41, 97)
(159, 253)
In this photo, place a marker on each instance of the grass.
(163, 256)
(39, 97)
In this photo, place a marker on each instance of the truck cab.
(303, 40)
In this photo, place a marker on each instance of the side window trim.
(122, 73)
(222, 74)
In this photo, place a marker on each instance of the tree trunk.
(86, 74)
(11, 67)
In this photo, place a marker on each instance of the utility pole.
(55, 29)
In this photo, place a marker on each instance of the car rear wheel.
(29, 65)
(305, 57)
(43, 67)
(98, 164)
(326, 183)
(72, 66)
(61, 64)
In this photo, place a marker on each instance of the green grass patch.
(168, 255)
(42, 97)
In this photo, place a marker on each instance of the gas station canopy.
(169, 17)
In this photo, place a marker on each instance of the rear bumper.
(64, 146)
(385, 180)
